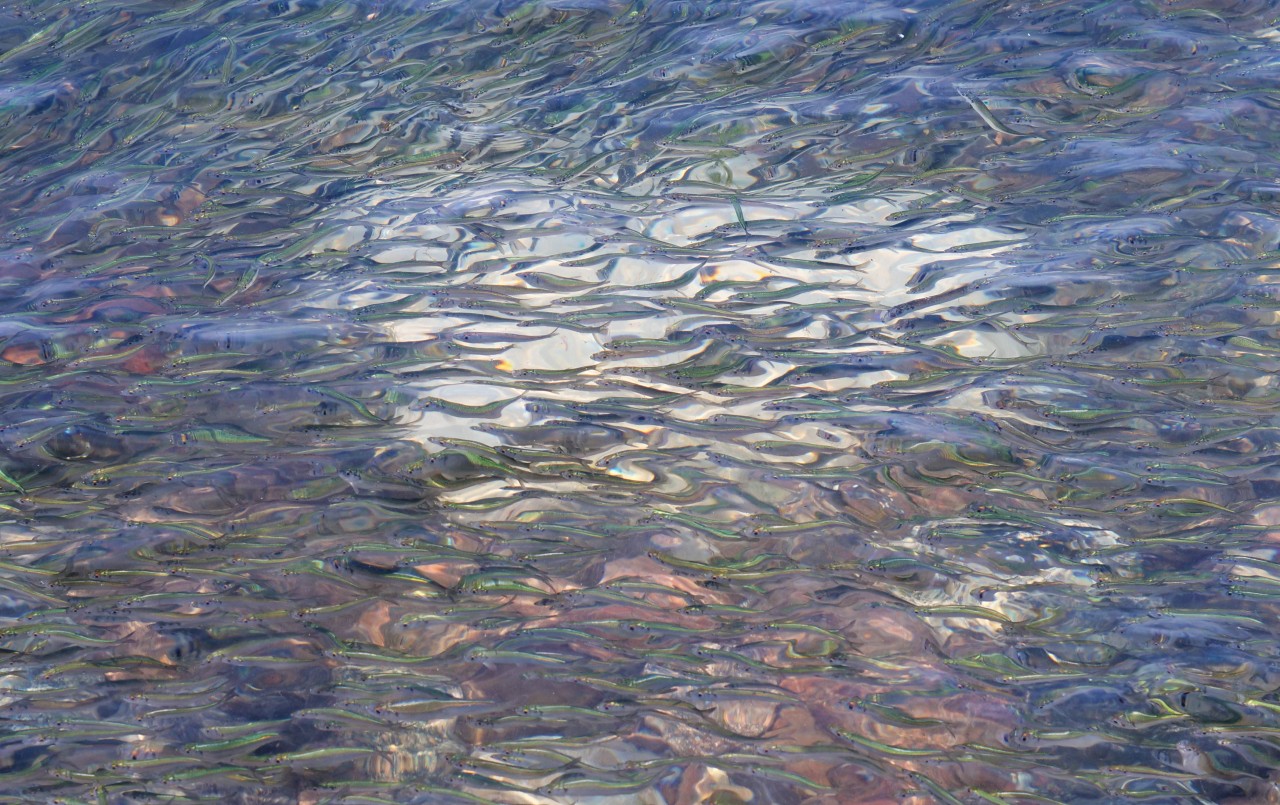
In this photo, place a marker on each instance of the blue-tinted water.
(592, 401)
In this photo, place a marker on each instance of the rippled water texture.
(590, 401)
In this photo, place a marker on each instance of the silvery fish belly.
(639, 401)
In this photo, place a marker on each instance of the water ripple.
(650, 401)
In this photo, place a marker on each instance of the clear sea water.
(640, 401)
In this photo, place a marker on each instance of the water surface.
(591, 401)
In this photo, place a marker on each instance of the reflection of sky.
(567, 271)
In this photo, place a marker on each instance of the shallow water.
(662, 402)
